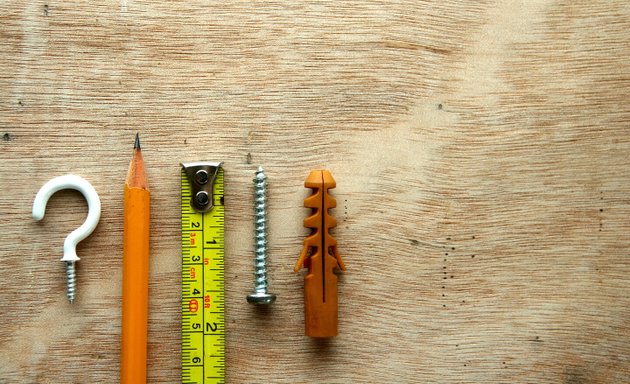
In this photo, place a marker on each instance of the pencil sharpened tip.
(136, 145)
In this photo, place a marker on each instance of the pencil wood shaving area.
(481, 153)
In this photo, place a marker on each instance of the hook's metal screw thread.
(71, 280)
(260, 294)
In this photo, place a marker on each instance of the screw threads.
(71, 277)
(260, 209)
(260, 294)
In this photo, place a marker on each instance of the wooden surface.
(481, 152)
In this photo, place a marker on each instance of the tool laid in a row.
(321, 257)
(203, 272)
(135, 287)
(203, 262)
(94, 214)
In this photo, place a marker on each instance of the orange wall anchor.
(321, 257)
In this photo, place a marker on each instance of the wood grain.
(483, 180)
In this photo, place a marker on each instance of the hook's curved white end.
(94, 209)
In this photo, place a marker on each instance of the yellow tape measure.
(203, 235)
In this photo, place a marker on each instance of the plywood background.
(481, 151)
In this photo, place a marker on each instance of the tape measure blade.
(203, 276)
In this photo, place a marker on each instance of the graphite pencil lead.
(136, 145)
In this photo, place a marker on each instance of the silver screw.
(71, 280)
(260, 295)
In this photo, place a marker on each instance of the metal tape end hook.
(94, 210)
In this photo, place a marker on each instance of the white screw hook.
(94, 214)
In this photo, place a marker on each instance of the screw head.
(201, 198)
(260, 298)
(201, 177)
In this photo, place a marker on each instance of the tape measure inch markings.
(203, 235)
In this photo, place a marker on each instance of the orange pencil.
(135, 297)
